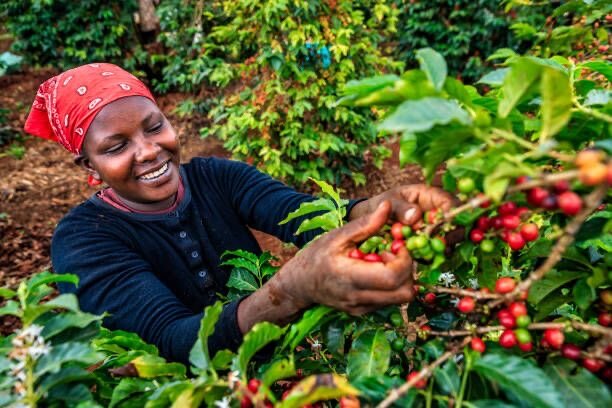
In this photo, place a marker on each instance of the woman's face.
(132, 147)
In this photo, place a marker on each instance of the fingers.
(365, 301)
(364, 227)
(406, 213)
(393, 273)
(427, 198)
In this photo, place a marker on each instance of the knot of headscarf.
(66, 104)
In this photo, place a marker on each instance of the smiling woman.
(147, 247)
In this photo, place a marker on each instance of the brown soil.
(36, 191)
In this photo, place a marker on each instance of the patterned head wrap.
(66, 104)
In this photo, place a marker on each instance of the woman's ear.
(82, 161)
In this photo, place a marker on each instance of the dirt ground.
(36, 191)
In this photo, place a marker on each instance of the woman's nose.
(147, 151)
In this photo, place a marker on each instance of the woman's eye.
(116, 148)
(156, 128)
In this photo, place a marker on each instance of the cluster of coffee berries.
(421, 247)
(592, 168)
(558, 197)
(253, 386)
(515, 320)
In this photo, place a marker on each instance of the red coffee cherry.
(506, 319)
(397, 245)
(507, 339)
(588, 157)
(420, 384)
(507, 208)
(530, 232)
(605, 319)
(522, 211)
(466, 304)
(497, 223)
(246, 402)
(592, 365)
(536, 195)
(356, 254)
(349, 402)
(561, 186)
(372, 258)
(478, 345)
(570, 203)
(570, 351)
(554, 338)
(517, 309)
(505, 285)
(430, 298)
(511, 221)
(526, 347)
(254, 385)
(549, 203)
(486, 203)
(593, 174)
(515, 241)
(522, 179)
(483, 223)
(476, 236)
(396, 231)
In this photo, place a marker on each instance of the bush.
(280, 64)
(65, 34)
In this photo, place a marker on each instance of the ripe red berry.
(592, 365)
(511, 221)
(517, 309)
(561, 186)
(570, 351)
(420, 384)
(397, 245)
(476, 236)
(396, 231)
(356, 254)
(536, 195)
(593, 174)
(549, 203)
(478, 345)
(483, 223)
(522, 211)
(430, 298)
(507, 339)
(609, 174)
(526, 347)
(496, 222)
(431, 216)
(486, 203)
(530, 232)
(426, 328)
(605, 319)
(466, 304)
(554, 338)
(504, 234)
(253, 385)
(515, 241)
(570, 203)
(372, 258)
(507, 208)
(349, 402)
(246, 402)
(505, 285)
(507, 320)
(522, 179)
(606, 374)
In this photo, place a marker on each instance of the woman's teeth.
(155, 174)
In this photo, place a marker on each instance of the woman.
(147, 248)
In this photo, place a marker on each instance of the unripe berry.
(593, 174)
(570, 351)
(420, 384)
(507, 208)
(476, 236)
(592, 365)
(530, 232)
(505, 285)
(507, 339)
(588, 157)
(478, 345)
(570, 203)
(487, 246)
(554, 338)
(466, 304)
(523, 321)
(522, 336)
(536, 196)
(466, 185)
(515, 241)
(517, 309)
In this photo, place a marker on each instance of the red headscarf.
(66, 104)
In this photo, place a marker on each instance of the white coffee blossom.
(233, 378)
(454, 301)
(473, 282)
(316, 345)
(447, 279)
(223, 403)
(38, 350)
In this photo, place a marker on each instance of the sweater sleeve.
(113, 278)
(262, 202)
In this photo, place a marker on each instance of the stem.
(30, 392)
(463, 292)
(466, 370)
(425, 372)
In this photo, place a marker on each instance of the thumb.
(364, 227)
(407, 213)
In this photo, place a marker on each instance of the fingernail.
(409, 213)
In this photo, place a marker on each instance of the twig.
(463, 292)
(591, 202)
(425, 372)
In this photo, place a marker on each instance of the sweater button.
(195, 254)
(182, 234)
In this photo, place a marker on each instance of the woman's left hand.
(408, 203)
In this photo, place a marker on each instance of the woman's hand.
(408, 203)
(323, 273)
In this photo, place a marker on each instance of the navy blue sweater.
(155, 274)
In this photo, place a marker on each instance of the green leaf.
(368, 85)
(259, 336)
(165, 395)
(312, 318)
(150, 366)
(242, 279)
(199, 356)
(278, 370)
(494, 78)
(376, 389)
(241, 263)
(491, 404)
(549, 304)
(122, 340)
(327, 222)
(222, 360)
(423, 114)
(604, 68)
(584, 294)
(369, 355)
(328, 190)
(408, 145)
(127, 387)
(447, 378)
(556, 102)
(7, 293)
(63, 321)
(320, 204)
(66, 375)
(497, 181)
(582, 389)
(434, 66)
(334, 337)
(10, 308)
(522, 76)
(598, 97)
(552, 281)
(502, 53)
(242, 254)
(521, 377)
(71, 352)
(48, 277)
(317, 388)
